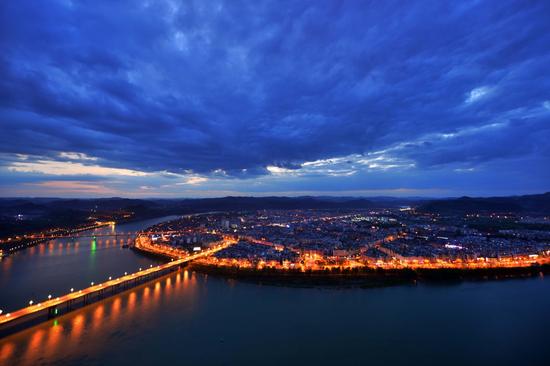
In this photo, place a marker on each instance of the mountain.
(26, 206)
(259, 203)
(145, 208)
(536, 204)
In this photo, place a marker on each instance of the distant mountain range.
(536, 204)
(42, 213)
(148, 207)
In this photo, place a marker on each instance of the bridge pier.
(52, 312)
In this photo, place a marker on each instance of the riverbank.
(24, 243)
(366, 277)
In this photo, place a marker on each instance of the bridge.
(53, 307)
(91, 234)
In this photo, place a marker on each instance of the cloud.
(76, 156)
(478, 93)
(56, 188)
(211, 95)
(52, 167)
(193, 181)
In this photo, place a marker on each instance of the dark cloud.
(203, 86)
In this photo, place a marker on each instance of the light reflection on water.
(197, 319)
(69, 334)
(55, 266)
(189, 318)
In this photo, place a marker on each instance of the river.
(56, 266)
(191, 318)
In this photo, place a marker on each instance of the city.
(307, 241)
(229, 182)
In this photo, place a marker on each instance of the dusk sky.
(210, 98)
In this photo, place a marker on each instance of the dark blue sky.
(209, 98)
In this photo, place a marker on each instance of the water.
(59, 265)
(190, 318)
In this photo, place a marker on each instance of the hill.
(536, 204)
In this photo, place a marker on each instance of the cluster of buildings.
(325, 239)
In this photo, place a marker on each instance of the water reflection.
(91, 325)
(53, 340)
(77, 324)
(55, 266)
(197, 320)
(6, 352)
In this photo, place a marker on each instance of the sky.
(261, 98)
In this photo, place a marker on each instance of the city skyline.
(164, 99)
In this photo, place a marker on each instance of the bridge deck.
(101, 287)
(84, 234)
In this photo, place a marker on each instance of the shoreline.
(367, 277)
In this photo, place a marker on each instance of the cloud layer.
(231, 97)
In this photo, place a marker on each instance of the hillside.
(537, 204)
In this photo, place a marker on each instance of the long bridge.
(91, 234)
(53, 307)
(32, 240)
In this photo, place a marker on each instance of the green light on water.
(55, 322)
(94, 245)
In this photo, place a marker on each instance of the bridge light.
(140, 268)
(150, 266)
(110, 278)
(0, 311)
(8, 315)
(72, 289)
(91, 283)
(30, 302)
(125, 273)
(49, 297)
